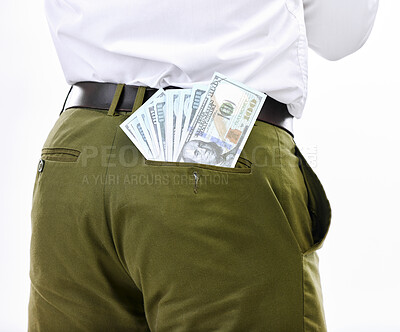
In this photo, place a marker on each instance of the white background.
(349, 132)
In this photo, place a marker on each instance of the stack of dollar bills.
(207, 124)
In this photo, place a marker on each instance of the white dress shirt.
(262, 43)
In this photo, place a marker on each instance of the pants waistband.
(127, 98)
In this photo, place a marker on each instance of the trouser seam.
(282, 191)
(282, 188)
(107, 214)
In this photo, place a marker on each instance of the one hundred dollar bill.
(161, 114)
(223, 123)
(184, 99)
(197, 96)
(144, 126)
(172, 100)
(135, 132)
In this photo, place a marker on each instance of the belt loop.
(139, 98)
(114, 103)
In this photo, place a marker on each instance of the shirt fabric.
(262, 43)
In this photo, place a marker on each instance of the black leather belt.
(98, 95)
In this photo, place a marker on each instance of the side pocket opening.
(318, 204)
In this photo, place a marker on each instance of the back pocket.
(60, 154)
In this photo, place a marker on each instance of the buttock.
(204, 247)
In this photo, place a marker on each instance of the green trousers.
(120, 243)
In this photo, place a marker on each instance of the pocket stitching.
(247, 170)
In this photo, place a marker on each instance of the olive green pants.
(120, 243)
